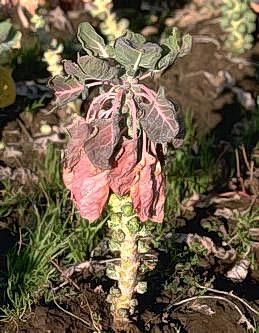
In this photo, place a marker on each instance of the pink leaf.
(66, 89)
(147, 192)
(89, 186)
(68, 176)
(122, 174)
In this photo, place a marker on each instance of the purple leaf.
(66, 89)
(100, 147)
(79, 133)
(159, 118)
(73, 69)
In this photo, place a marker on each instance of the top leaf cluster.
(132, 51)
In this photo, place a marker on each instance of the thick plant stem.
(125, 235)
(128, 271)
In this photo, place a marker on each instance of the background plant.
(238, 20)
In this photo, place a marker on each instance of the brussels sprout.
(111, 272)
(133, 225)
(114, 245)
(127, 209)
(114, 221)
(141, 287)
(143, 247)
(118, 236)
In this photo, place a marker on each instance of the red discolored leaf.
(90, 189)
(68, 176)
(100, 147)
(79, 133)
(159, 195)
(66, 89)
(147, 192)
(122, 174)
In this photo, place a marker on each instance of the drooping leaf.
(159, 119)
(100, 147)
(66, 89)
(89, 186)
(91, 42)
(97, 69)
(79, 133)
(159, 194)
(147, 191)
(68, 176)
(9, 37)
(122, 173)
(7, 87)
(174, 49)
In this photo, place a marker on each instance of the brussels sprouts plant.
(115, 154)
(238, 20)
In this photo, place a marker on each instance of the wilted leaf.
(90, 40)
(7, 87)
(68, 176)
(100, 147)
(9, 38)
(79, 133)
(147, 191)
(90, 189)
(239, 272)
(97, 69)
(66, 89)
(159, 194)
(159, 119)
(122, 175)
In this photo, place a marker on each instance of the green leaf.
(125, 53)
(131, 50)
(186, 45)
(175, 50)
(97, 69)
(136, 40)
(9, 38)
(91, 41)
(91, 68)
(152, 53)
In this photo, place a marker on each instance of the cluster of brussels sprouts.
(238, 20)
(130, 240)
